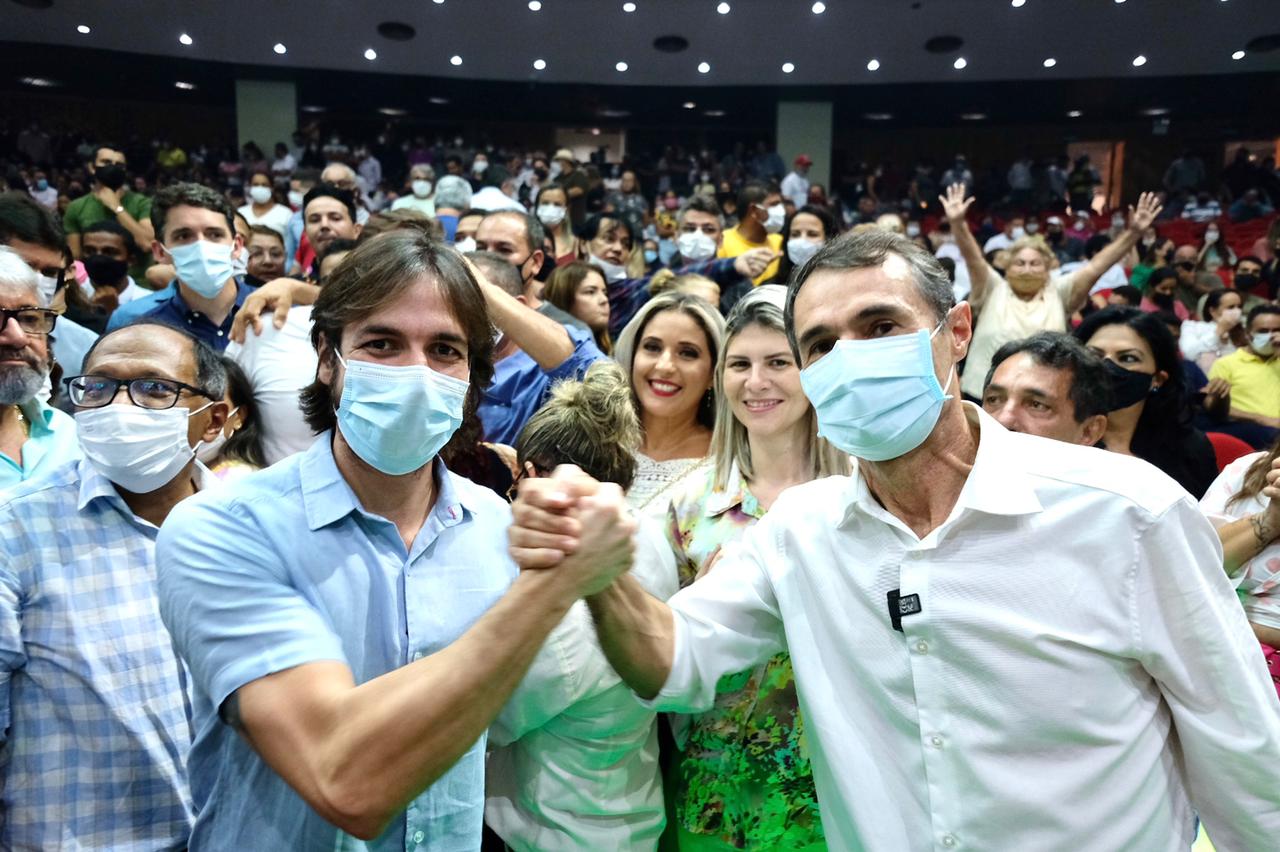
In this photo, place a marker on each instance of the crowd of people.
(460, 499)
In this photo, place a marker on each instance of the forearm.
(1250, 417)
(1244, 539)
(1109, 256)
(1268, 635)
(542, 338)
(141, 231)
(974, 260)
(637, 634)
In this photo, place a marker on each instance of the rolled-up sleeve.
(1195, 642)
(228, 601)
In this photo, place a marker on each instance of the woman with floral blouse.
(742, 778)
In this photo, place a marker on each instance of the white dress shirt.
(574, 763)
(1079, 675)
(279, 364)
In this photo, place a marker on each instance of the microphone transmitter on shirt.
(900, 605)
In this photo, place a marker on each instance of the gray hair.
(701, 204)
(16, 277)
(453, 192)
(211, 373)
(335, 166)
(761, 307)
(423, 169)
(868, 249)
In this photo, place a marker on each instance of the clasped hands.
(571, 524)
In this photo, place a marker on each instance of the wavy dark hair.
(245, 444)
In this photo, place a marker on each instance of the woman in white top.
(1221, 333)
(1026, 300)
(262, 208)
(669, 350)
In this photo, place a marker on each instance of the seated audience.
(96, 727)
(1150, 416)
(1193, 282)
(107, 250)
(761, 218)
(578, 289)
(1220, 332)
(266, 257)
(419, 195)
(1253, 372)
(262, 208)
(1161, 295)
(806, 230)
(237, 450)
(1125, 295)
(1049, 385)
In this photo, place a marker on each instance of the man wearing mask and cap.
(345, 668)
(109, 199)
(93, 703)
(1254, 374)
(33, 437)
(1064, 247)
(760, 226)
(575, 183)
(195, 232)
(943, 671)
(795, 186)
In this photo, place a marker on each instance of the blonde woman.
(669, 350)
(579, 289)
(742, 779)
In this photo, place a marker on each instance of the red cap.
(803, 160)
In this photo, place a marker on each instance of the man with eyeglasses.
(33, 436)
(94, 713)
(1193, 284)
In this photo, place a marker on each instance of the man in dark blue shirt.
(195, 232)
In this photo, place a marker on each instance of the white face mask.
(1018, 233)
(695, 246)
(800, 250)
(208, 453)
(479, 166)
(612, 271)
(1033, 228)
(421, 188)
(295, 198)
(46, 290)
(913, 230)
(260, 194)
(776, 216)
(1210, 236)
(466, 246)
(551, 214)
(138, 449)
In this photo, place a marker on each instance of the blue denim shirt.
(283, 568)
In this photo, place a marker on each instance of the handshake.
(574, 525)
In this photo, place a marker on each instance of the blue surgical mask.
(876, 399)
(203, 266)
(650, 255)
(397, 418)
(1261, 343)
(42, 184)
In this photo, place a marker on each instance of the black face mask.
(1128, 387)
(103, 270)
(112, 176)
(1055, 236)
(542, 174)
(1164, 300)
(1246, 281)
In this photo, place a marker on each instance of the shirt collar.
(996, 485)
(327, 497)
(38, 414)
(174, 293)
(733, 495)
(95, 486)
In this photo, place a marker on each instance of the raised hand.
(954, 204)
(1141, 217)
(752, 263)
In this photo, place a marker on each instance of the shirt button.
(949, 840)
(219, 334)
(936, 741)
(922, 647)
(418, 836)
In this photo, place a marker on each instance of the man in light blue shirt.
(33, 436)
(350, 616)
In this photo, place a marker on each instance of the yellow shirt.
(1255, 383)
(735, 244)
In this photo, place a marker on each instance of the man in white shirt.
(1037, 650)
(1014, 230)
(795, 186)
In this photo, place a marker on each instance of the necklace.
(22, 421)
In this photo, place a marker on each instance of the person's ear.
(158, 252)
(358, 228)
(1092, 430)
(325, 368)
(961, 326)
(217, 419)
(1159, 379)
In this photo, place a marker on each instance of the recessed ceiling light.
(1118, 2)
(535, 5)
(878, 116)
(1154, 111)
(1075, 113)
(1050, 62)
(38, 82)
(715, 113)
(82, 29)
(184, 39)
(1139, 61)
(437, 2)
(621, 66)
(788, 67)
(184, 85)
(311, 108)
(1018, 4)
(280, 48)
(371, 54)
(438, 101)
(689, 105)
(628, 7)
(455, 60)
(1239, 54)
(723, 8)
(873, 65)
(392, 111)
(960, 63)
(595, 131)
(973, 116)
(539, 64)
(704, 67)
(819, 8)
(609, 112)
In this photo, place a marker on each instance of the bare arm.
(637, 634)
(1140, 218)
(542, 338)
(73, 245)
(955, 205)
(277, 296)
(1249, 416)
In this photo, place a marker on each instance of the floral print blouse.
(1259, 583)
(744, 774)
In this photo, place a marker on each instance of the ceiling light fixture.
(184, 85)
(973, 116)
(392, 111)
(873, 65)
(437, 100)
(535, 5)
(1018, 4)
(715, 113)
(704, 67)
(621, 66)
(960, 63)
(1155, 111)
(723, 8)
(1118, 2)
(628, 7)
(371, 54)
(1050, 62)
(539, 64)
(311, 108)
(280, 48)
(878, 116)
(437, 2)
(184, 39)
(689, 105)
(819, 8)
(82, 29)
(1139, 61)
(38, 82)
(1239, 54)
(1075, 113)
(788, 67)
(455, 60)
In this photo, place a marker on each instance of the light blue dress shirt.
(52, 443)
(283, 568)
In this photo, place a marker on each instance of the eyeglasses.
(156, 394)
(31, 320)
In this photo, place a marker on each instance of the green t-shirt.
(88, 210)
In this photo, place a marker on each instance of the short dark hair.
(1131, 295)
(501, 272)
(377, 272)
(1259, 310)
(211, 375)
(1214, 299)
(535, 235)
(264, 231)
(334, 247)
(330, 190)
(1158, 276)
(1251, 258)
(22, 218)
(189, 195)
(1090, 383)
(402, 219)
(595, 223)
(752, 192)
